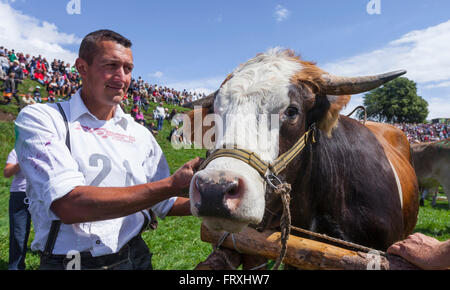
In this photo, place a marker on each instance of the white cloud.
(438, 107)
(425, 54)
(281, 13)
(444, 84)
(27, 34)
(156, 74)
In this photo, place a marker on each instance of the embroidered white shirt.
(114, 153)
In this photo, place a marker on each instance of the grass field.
(176, 243)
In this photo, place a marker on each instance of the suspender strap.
(65, 123)
(54, 229)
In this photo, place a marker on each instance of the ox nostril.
(231, 188)
(234, 194)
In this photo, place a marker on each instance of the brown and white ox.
(432, 165)
(355, 183)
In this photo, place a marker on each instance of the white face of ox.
(229, 194)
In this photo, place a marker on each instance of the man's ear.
(81, 66)
(330, 119)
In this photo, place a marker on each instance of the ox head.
(264, 106)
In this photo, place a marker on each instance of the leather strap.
(263, 167)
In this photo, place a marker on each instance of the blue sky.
(194, 44)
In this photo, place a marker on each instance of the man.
(12, 56)
(160, 115)
(19, 216)
(10, 88)
(4, 63)
(100, 179)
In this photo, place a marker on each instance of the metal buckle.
(272, 179)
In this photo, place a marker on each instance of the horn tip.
(400, 72)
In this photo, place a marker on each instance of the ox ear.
(330, 119)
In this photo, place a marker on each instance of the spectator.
(10, 89)
(4, 63)
(37, 94)
(173, 132)
(19, 216)
(12, 56)
(160, 116)
(153, 129)
(139, 117)
(27, 100)
(39, 76)
(18, 72)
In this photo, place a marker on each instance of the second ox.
(355, 182)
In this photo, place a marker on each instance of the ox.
(432, 165)
(355, 182)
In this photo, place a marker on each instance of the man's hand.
(181, 179)
(423, 251)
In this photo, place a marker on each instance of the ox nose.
(217, 193)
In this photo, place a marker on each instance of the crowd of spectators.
(141, 90)
(61, 81)
(418, 133)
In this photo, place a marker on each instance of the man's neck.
(99, 110)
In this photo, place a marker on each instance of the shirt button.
(97, 242)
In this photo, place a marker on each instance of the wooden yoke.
(304, 253)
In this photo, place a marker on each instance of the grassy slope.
(176, 243)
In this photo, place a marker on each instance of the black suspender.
(54, 229)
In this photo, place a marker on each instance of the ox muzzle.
(226, 199)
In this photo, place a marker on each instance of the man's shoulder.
(37, 111)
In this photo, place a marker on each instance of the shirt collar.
(78, 108)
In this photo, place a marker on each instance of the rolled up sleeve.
(157, 169)
(44, 157)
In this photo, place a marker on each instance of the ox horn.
(336, 85)
(205, 102)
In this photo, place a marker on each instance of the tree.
(396, 101)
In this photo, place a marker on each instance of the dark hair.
(88, 46)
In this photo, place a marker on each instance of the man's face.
(109, 75)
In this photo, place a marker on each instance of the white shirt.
(114, 153)
(19, 183)
(160, 112)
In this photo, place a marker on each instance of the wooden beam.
(304, 253)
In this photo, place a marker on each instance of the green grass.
(434, 221)
(176, 243)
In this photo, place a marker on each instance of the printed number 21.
(106, 169)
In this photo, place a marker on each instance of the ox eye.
(291, 112)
